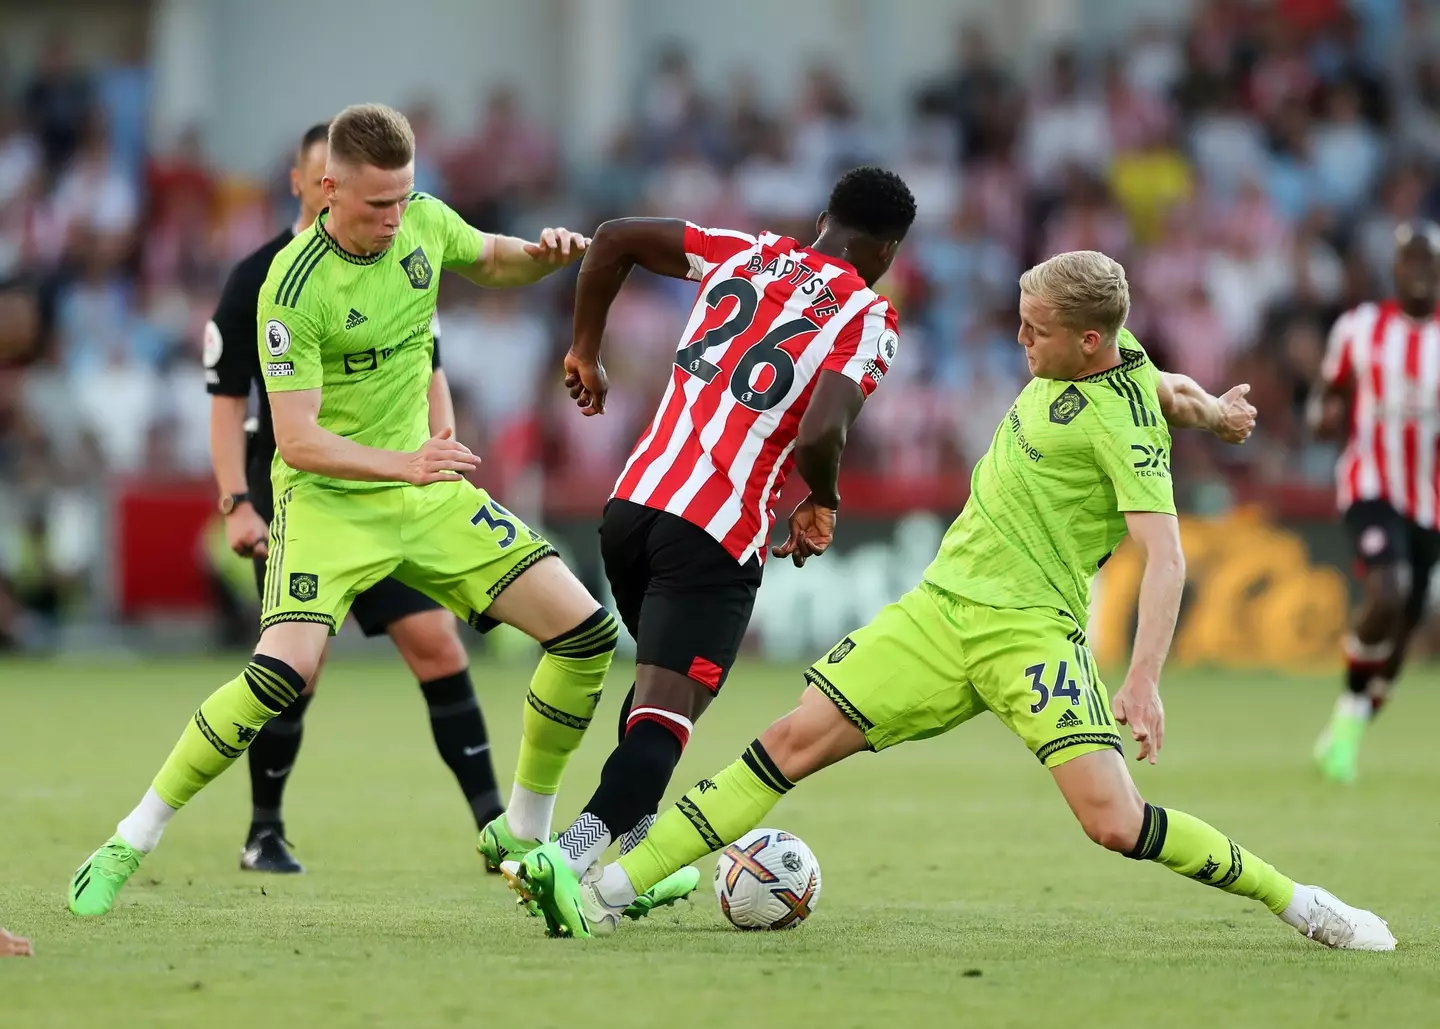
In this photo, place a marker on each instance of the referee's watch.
(230, 501)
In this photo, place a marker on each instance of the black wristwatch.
(231, 501)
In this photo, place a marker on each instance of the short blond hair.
(372, 134)
(1087, 289)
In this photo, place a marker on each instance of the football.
(767, 879)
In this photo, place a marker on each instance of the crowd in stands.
(1249, 169)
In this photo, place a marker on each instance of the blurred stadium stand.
(1247, 161)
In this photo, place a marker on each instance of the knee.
(1115, 826)
(595, 637)
(430, 645)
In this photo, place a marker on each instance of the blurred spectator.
(58, 102)
(1249, 165)
(1068, 126)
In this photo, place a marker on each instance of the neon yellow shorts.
(448, 540)
(932, 660)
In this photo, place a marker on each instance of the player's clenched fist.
(812, 527)
(440, 459)
(587, 382)
(1237, 415)
(558, 246)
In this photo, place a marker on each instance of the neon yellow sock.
(1199, 851)
(224, 726)
(564, 692)
(713, 814)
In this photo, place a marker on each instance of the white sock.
(529, 814)
(1354, 705)
(614, 888)
(143, 827)
(1295, 914)
(584, 842)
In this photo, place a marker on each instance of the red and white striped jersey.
(771, 316)
(1390, 365)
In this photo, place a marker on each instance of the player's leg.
(694, 608)
(1424, 554)
(323, 547)
(428, 639)
(1036, 673)
(1382, 548)
(488, 566)
(899, 678)
(1100, 792)
(271, 758)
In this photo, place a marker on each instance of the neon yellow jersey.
(360, 329)
(1048, 500)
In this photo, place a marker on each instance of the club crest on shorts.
(1372, 541)
(304, 587)
(417, 268)
(842, 649)
(1067, 405)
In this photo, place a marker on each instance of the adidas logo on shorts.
(1069, 720)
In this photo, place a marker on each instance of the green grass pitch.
(957, 888)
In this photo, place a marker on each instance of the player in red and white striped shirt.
(1380, 392)
(784, 344)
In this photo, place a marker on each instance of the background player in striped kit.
(783, 345)
(1380, 393)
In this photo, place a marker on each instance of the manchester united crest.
(304, 587)
(417, 268)
(1067, 405)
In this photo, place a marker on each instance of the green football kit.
(359, 329)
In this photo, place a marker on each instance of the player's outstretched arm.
(655, 244)
(1137, 704)
(819, 443)
(1186, 405)
(507, 261)
(305, 446)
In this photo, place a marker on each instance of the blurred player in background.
(783, 346)
(424, 632)
(1380, 392)
(1081, 461)
(365, 490)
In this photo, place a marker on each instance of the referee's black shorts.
(681, 595)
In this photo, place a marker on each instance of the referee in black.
(425, 633)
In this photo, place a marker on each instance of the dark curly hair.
(873, 201)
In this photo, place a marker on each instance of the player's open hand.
(1236, 416)
(812, 527)
(1137, 705)
(246, 531)
(558, 247)
(587, 382)
(440, 458)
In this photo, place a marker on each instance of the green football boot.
(571, 907)
(674, 887)
(498, 845)
(1337, 752)
(98, 880)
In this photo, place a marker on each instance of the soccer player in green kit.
(1081, 460)
(363, 491)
